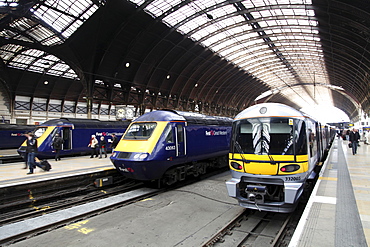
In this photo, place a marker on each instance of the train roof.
(190, 117)
(85, 123)
(269, 110)
(18, 127)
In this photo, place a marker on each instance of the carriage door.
(67, 138)
(180, 139)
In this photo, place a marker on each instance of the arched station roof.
(214, 56)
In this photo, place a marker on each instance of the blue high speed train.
(165, 146)
(12, 135)
(76, 134)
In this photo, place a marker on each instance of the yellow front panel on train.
(42, 138)
(267, 165)
(142, 146)
(45, 135)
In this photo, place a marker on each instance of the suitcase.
(45, 165)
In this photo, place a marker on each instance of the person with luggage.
(57, 145)
(26, 154)
(354, 139)
(31, 150)
(103, 147)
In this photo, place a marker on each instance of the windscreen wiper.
(272, 161)
(240, 150)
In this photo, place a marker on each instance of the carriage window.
(140, 131)
(180, 133)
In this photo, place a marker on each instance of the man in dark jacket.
(354, 138)
(57, 145)
(114, 142)
(31, 150)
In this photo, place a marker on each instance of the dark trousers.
(57, 154)
(31, 162)
(102, 150)
(354, 147)
(93, 152)
(26, 160)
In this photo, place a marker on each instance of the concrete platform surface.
(13, 173)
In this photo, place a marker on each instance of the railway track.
(58, 200)
(252, 228)
(32, 224)
(55, 202)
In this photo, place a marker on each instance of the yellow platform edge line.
(328, 178)
(106, 169)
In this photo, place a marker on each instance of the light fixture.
(46, 82)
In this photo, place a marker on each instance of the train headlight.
(236, 165)
(141, 156)
(290, 168)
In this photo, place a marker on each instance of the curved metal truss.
(212, 56)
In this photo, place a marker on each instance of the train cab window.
(39, 131)
(168, 134)
(264, 136)
(140, 131)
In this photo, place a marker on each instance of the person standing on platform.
(31, 150)
(57, 145)
(103, 147)
(26, 154)
(347, 134)
(367, 137)
(114, 142)
(354, 139)
(93, 145)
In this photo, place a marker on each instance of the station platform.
(337, 214)
(15, 174)
(8, 155)
(338, 211)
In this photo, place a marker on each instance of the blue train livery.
(165, 146)
(76, 134)
(12, 135)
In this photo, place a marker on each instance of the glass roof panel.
(49, 22)
(19, 57)
(276, 41)
(64, 16)
(158, 7)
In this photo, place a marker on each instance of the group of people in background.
(353, 137)
(57, 144)
(100, 146)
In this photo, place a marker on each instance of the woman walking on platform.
(93, 145)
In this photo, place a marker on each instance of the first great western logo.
(216, 133)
